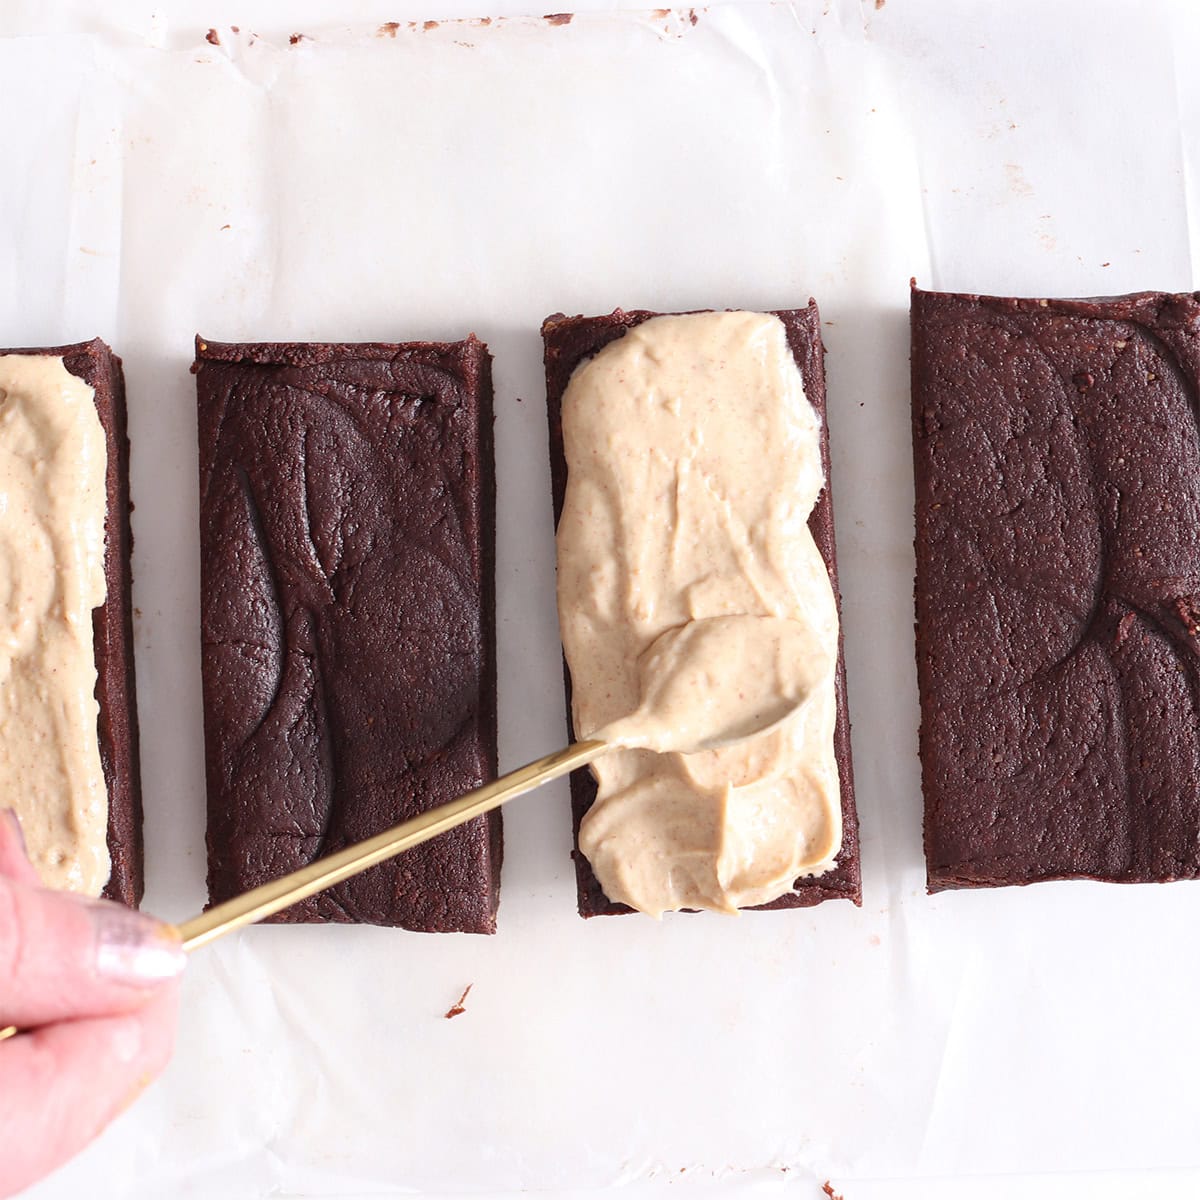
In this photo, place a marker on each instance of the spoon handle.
(325, 872)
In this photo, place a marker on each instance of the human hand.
(95, 984)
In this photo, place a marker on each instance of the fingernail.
(14, 823)
(133, 949)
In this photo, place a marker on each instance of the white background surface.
(353, 186)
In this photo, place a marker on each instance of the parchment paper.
(406, 182)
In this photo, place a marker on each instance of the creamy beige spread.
(693, 464)
(53, 458)
(716, 681)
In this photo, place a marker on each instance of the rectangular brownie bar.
(112, 622)
(1057, 457)
(347, 533)
(568, 342)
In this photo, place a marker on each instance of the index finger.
(63, 957)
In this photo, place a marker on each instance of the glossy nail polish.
(134, 949)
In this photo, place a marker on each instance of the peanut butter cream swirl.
(53, 459)
(693, 464)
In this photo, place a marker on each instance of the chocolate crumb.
(388, 29)
(827, 1188)
(879, 4)
(225, 227)
(429, 25)
(559, 18)
(692, 16)
(459, 1007)
(297, 38)
(212, 38)
(1188, 610)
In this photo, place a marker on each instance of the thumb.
(63, 957)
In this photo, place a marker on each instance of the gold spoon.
(288, 889)
(676, 675)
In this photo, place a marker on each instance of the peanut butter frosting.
(53, 459)
(697, 614)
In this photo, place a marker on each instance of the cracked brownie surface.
(347, 533)
(1057, 457)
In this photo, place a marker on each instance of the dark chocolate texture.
(112, 622)
(347, 532)
(1057, 459)
(568, 342)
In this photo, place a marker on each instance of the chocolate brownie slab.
(569, 341)
(1057, 459)
(347, 532)
(112, 622)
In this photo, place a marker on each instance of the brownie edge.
(347, 534)
(568, 341)
(112, 622)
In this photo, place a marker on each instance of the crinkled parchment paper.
(370, 180)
